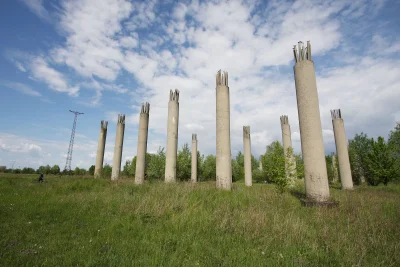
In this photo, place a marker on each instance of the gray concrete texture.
(194, 158)
(247, 156)
(260, 162)
(290, 160)
(223, 137)
(172, 136)
(312, 145)
(341, 149)
(119, 143)
(334, 168)
(100, 149)
(142, 143)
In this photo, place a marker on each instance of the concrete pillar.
(142, 143)
(247, 156)
(223, 137)
(260, 167)
(194, 158)
(312, 145)
(172, 136)
(334, 168)
(100, 149)
(341, 149)
(290, 161)
(119, 143)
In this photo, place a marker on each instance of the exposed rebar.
(336, 114)
(104, 124)
(145, 108)
(121, 119)
(284, 119)
(303, 53)
(246, 130)
(174, 95)
(194, 137)
(222, 78)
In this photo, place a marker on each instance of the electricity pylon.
(71, 142)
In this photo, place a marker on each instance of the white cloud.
(22, 88)
(54, 79)
(36, 6)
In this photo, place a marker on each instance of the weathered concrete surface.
(334, 168)
(260, 167)
(290, 161)
(247, 156)
(223, 136)
(100, 149)
(142, 143)
(312, 145)
(119, 143)
(194, 158)
(341, 149)
(172, 136)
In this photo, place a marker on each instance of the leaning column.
(172, 136)
(100, 149)
(341, 149)
(223, 136)
(312, 145)
(290, 162)
(119, 143)
(194, 158)
(142, 143)
(247, 156)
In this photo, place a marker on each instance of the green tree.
(299, 166)
(183, 166)
(394, 148)
(329, 167)
(126, 168)
(91, 170)
(55, 169)
(380, 164)
(209, 168)
(274, 166)
(106, 171)
(156, 167)
(132, 168)
(359, 148)
(238, 167)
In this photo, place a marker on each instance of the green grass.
(87, 222)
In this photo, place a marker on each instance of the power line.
(71, 142)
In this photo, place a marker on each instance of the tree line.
(373, 161)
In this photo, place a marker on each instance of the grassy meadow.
(86, 222)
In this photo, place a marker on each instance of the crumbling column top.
(303, 53)
(103, 124)
(174, 95)
(194, 137)
(145, 108)
(284, 120)
(336, 114)
(121, 119)
(222, 78)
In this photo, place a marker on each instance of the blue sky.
(107, 57)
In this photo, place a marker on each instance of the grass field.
(87, 222)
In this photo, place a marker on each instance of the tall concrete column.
(194, 158)
(260, 167)
(119, 143)
(290, 161)
(312, 145)
(223, 137)
(100, 149)
(142, 143)
(334, 168)
(247, 156)
(172, 136)
(341, 149)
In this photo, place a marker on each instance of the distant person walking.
(41, 178)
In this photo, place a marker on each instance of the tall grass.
(88, 222)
